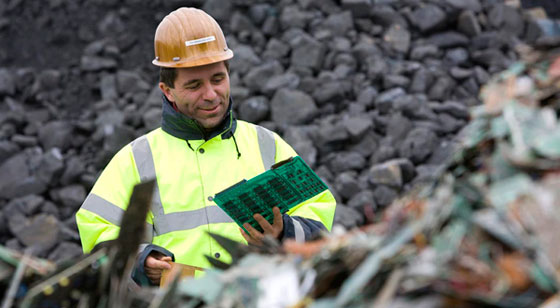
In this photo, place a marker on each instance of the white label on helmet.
(200, 41)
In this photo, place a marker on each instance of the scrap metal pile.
(484, 234)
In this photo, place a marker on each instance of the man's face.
(201, 93)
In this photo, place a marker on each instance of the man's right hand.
(155, 263)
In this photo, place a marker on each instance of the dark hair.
(167, 75)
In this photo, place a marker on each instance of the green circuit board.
(287, 184)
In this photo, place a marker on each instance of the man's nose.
(209, 93)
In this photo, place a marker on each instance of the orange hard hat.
(189, 37)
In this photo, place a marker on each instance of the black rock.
(428, 17)
(307, 52)
(292, 107)
(347, 217)
(40, 233)
(448, 39)
(7, 82)
(56, 134)
(384, 195)
(7, 149)
(255, 109)
(65, 251)
(418, 145)
(16, 178)
(468, 24)
(258, 76)
(384, 100)
(344, 161)
(347, 185)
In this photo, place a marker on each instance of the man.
(199, 150)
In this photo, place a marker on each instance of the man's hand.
(275, 230)
(155, 263)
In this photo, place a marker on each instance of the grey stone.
(424, 51)
(298, 138)
(366, 145)
(426, 173)
(293, 16)
(428, 17)
(421, 80)
(7, 82)
(27, 205)
(284, 81)
(468, 24)
(415, 109)
(129, 81)
(508, 18)
(386, 16)
(95, 63)
(384, 195)
(16, 178)
(271, 26)
(344, 161)
(220, 10)
(384, 100)
(292, 107)
(470, 5)
(25, 141)
(56, 134)
(448, 39)
(361, 200)
(330, 135)
(367, 96)
(245, 59)
(240, 22)
(7, 149)
(254, 109)
(347, 185)
(40, 232)
(365, 48)
(358, 8)
(441, 88)
(393, 81)
(258, 76)
(456, 56)
(357, 126)
(491, 58)
(398, 127)
(449, 124)
(460, 73)
(276, 49)
(65, 251)
(347, 217)
(70, 196)
(398, 38)
(51, 209)
(152, 118)
(259, 12)
(307, 52)
(329, 91)
(418, 145)
(454, 108)
(339, 24)
(443, 152)
(393, 173)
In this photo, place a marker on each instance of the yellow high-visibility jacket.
(190, 167)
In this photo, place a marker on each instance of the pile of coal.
(370, 93)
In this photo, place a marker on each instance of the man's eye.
(192, 86)
(218, 79)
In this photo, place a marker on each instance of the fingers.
(265, 225)
(253, 233)
(154, 263)
(278, 221)
(247, 237)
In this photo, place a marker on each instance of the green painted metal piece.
(287, 184)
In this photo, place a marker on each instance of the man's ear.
(166, 91)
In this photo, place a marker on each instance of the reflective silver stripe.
(187, 220)
(298, 229)
(147, 171)
(267, 145)
(142, 247)
(103, 209)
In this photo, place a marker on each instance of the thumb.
(152, 262)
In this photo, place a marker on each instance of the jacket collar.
(186, 128)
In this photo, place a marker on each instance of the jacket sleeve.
(99, 217)
(310, 217)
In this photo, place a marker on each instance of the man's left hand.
(275, 230)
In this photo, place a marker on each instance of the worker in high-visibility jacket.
(199, 150)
